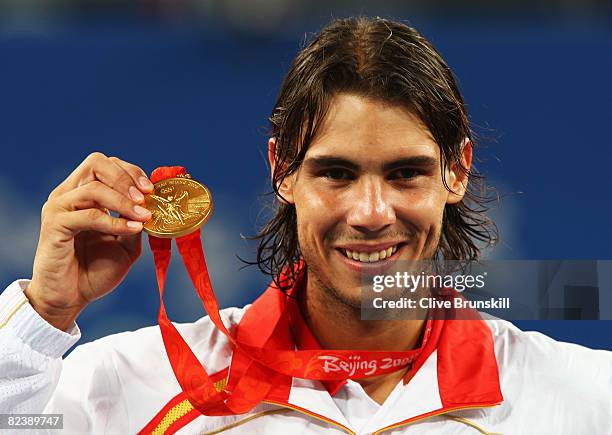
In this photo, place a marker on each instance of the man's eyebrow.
(420, 161)
(330, 161)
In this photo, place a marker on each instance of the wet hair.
(391, 62)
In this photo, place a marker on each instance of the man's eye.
(337, 174)
(405, 173)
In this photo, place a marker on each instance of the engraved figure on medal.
(171, 208)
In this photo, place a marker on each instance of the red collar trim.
(467, 366)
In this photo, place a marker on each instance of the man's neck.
(337, 325)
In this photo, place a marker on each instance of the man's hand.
(83, 252)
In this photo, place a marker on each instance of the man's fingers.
(121, 176)
(82, 174)
(117, 178)
(138, 175)
(93, 219)
(98, 195)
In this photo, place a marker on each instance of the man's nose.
(371, 209)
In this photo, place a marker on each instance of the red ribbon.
(260, 367)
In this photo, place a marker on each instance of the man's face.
(369, 192)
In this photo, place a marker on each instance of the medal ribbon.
(258, 369)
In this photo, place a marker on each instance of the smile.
(369, 257)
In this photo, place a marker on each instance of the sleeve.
(30, 353)
(34, 378)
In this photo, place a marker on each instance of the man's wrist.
(62, 318)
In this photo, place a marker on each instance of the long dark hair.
(386, 60)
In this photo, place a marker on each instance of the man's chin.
(349, 296)
(339, 285)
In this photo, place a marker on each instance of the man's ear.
(285, 188)
(457, 177)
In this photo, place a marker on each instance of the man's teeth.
(366, 257)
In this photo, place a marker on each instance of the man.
(370, 157)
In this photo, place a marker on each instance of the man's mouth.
(366, 255)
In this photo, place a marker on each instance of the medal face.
(178, 207)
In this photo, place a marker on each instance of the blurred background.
(193, 82)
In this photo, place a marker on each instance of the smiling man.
(371, 163)
(375, 169)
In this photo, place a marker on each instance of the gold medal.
(178, 206)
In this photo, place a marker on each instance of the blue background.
(161, 93)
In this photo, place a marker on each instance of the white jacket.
(123, 384)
